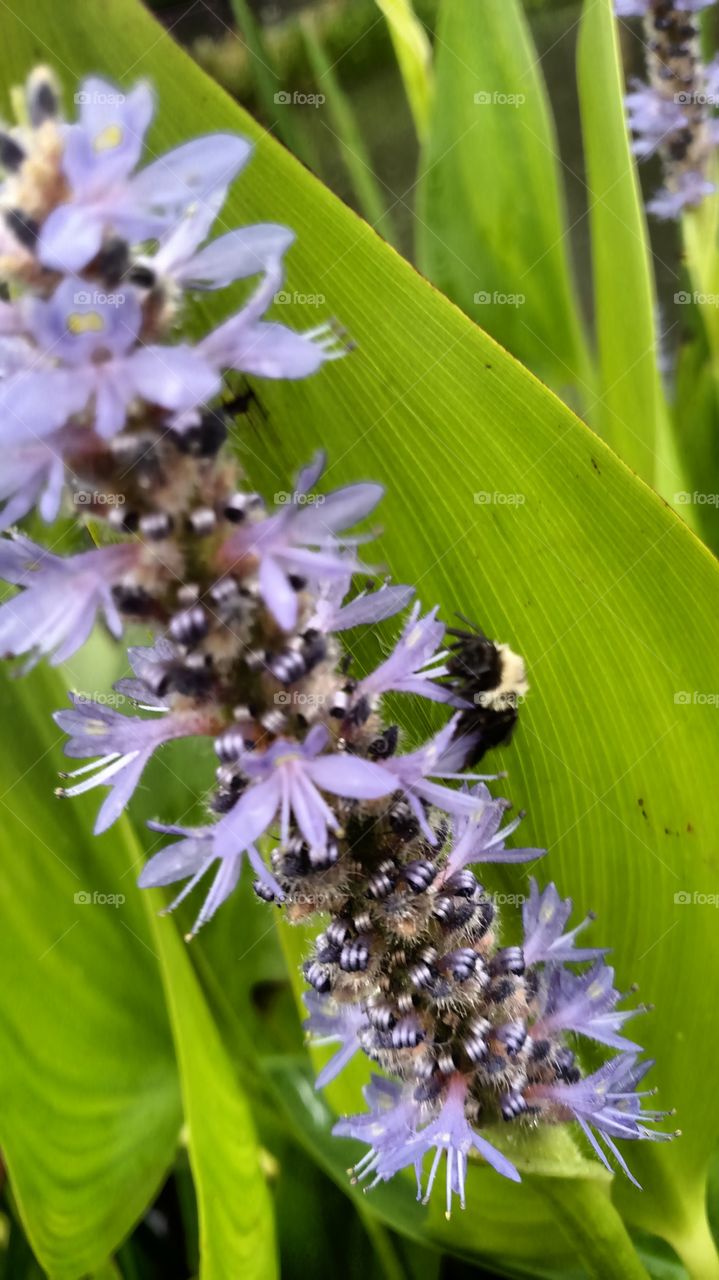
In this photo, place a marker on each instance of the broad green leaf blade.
(631, 411)
(90, 1110)
(236, 1227)
(492, 231)
(502, 504)
(414, 55)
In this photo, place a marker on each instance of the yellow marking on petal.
(595, 991)
(414, 636)
(108, 138)
(85, 322)
(96, 727)
(546, 912)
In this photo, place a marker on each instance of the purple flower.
(331, 1021)
(368, 607)
(641, 8)
(691, 188)
(287, 779)
(102, 150)
(387, 1126)
(606, 1101)
(61, 597)
(397, 1141)
(441, 757)
(193, 856)
(414, 663)
(94, 337)
(652, 118)
(127, 742)
(33, 474)
(544, 916)
(283, 544)
(479, 837)
(584, 1003)
(266, 348)
(243, 252)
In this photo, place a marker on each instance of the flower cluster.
(673, 115)
(315, 788)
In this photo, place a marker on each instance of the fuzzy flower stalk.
(341, 821)
(673, 114)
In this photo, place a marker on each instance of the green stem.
(698, 1251)
(586, 1215)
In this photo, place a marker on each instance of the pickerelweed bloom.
(314, 786)
(672, 115)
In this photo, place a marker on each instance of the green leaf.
(492, 230)
(90, 1109)
(236, 1227)
(501, 504)
(414, 55)
(631, 410)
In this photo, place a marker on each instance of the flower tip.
(189, 936)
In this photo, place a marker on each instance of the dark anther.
(317, 976)
(23, 227)
(204, 439)
(133, 600)
(354, 957)
(142, 276)
(463, 884)
(263, 891)
(385, 745)
(11, 153)
(112, 260)
(512, 1105)
(419, 875)
(190, 626)
(508, 960)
